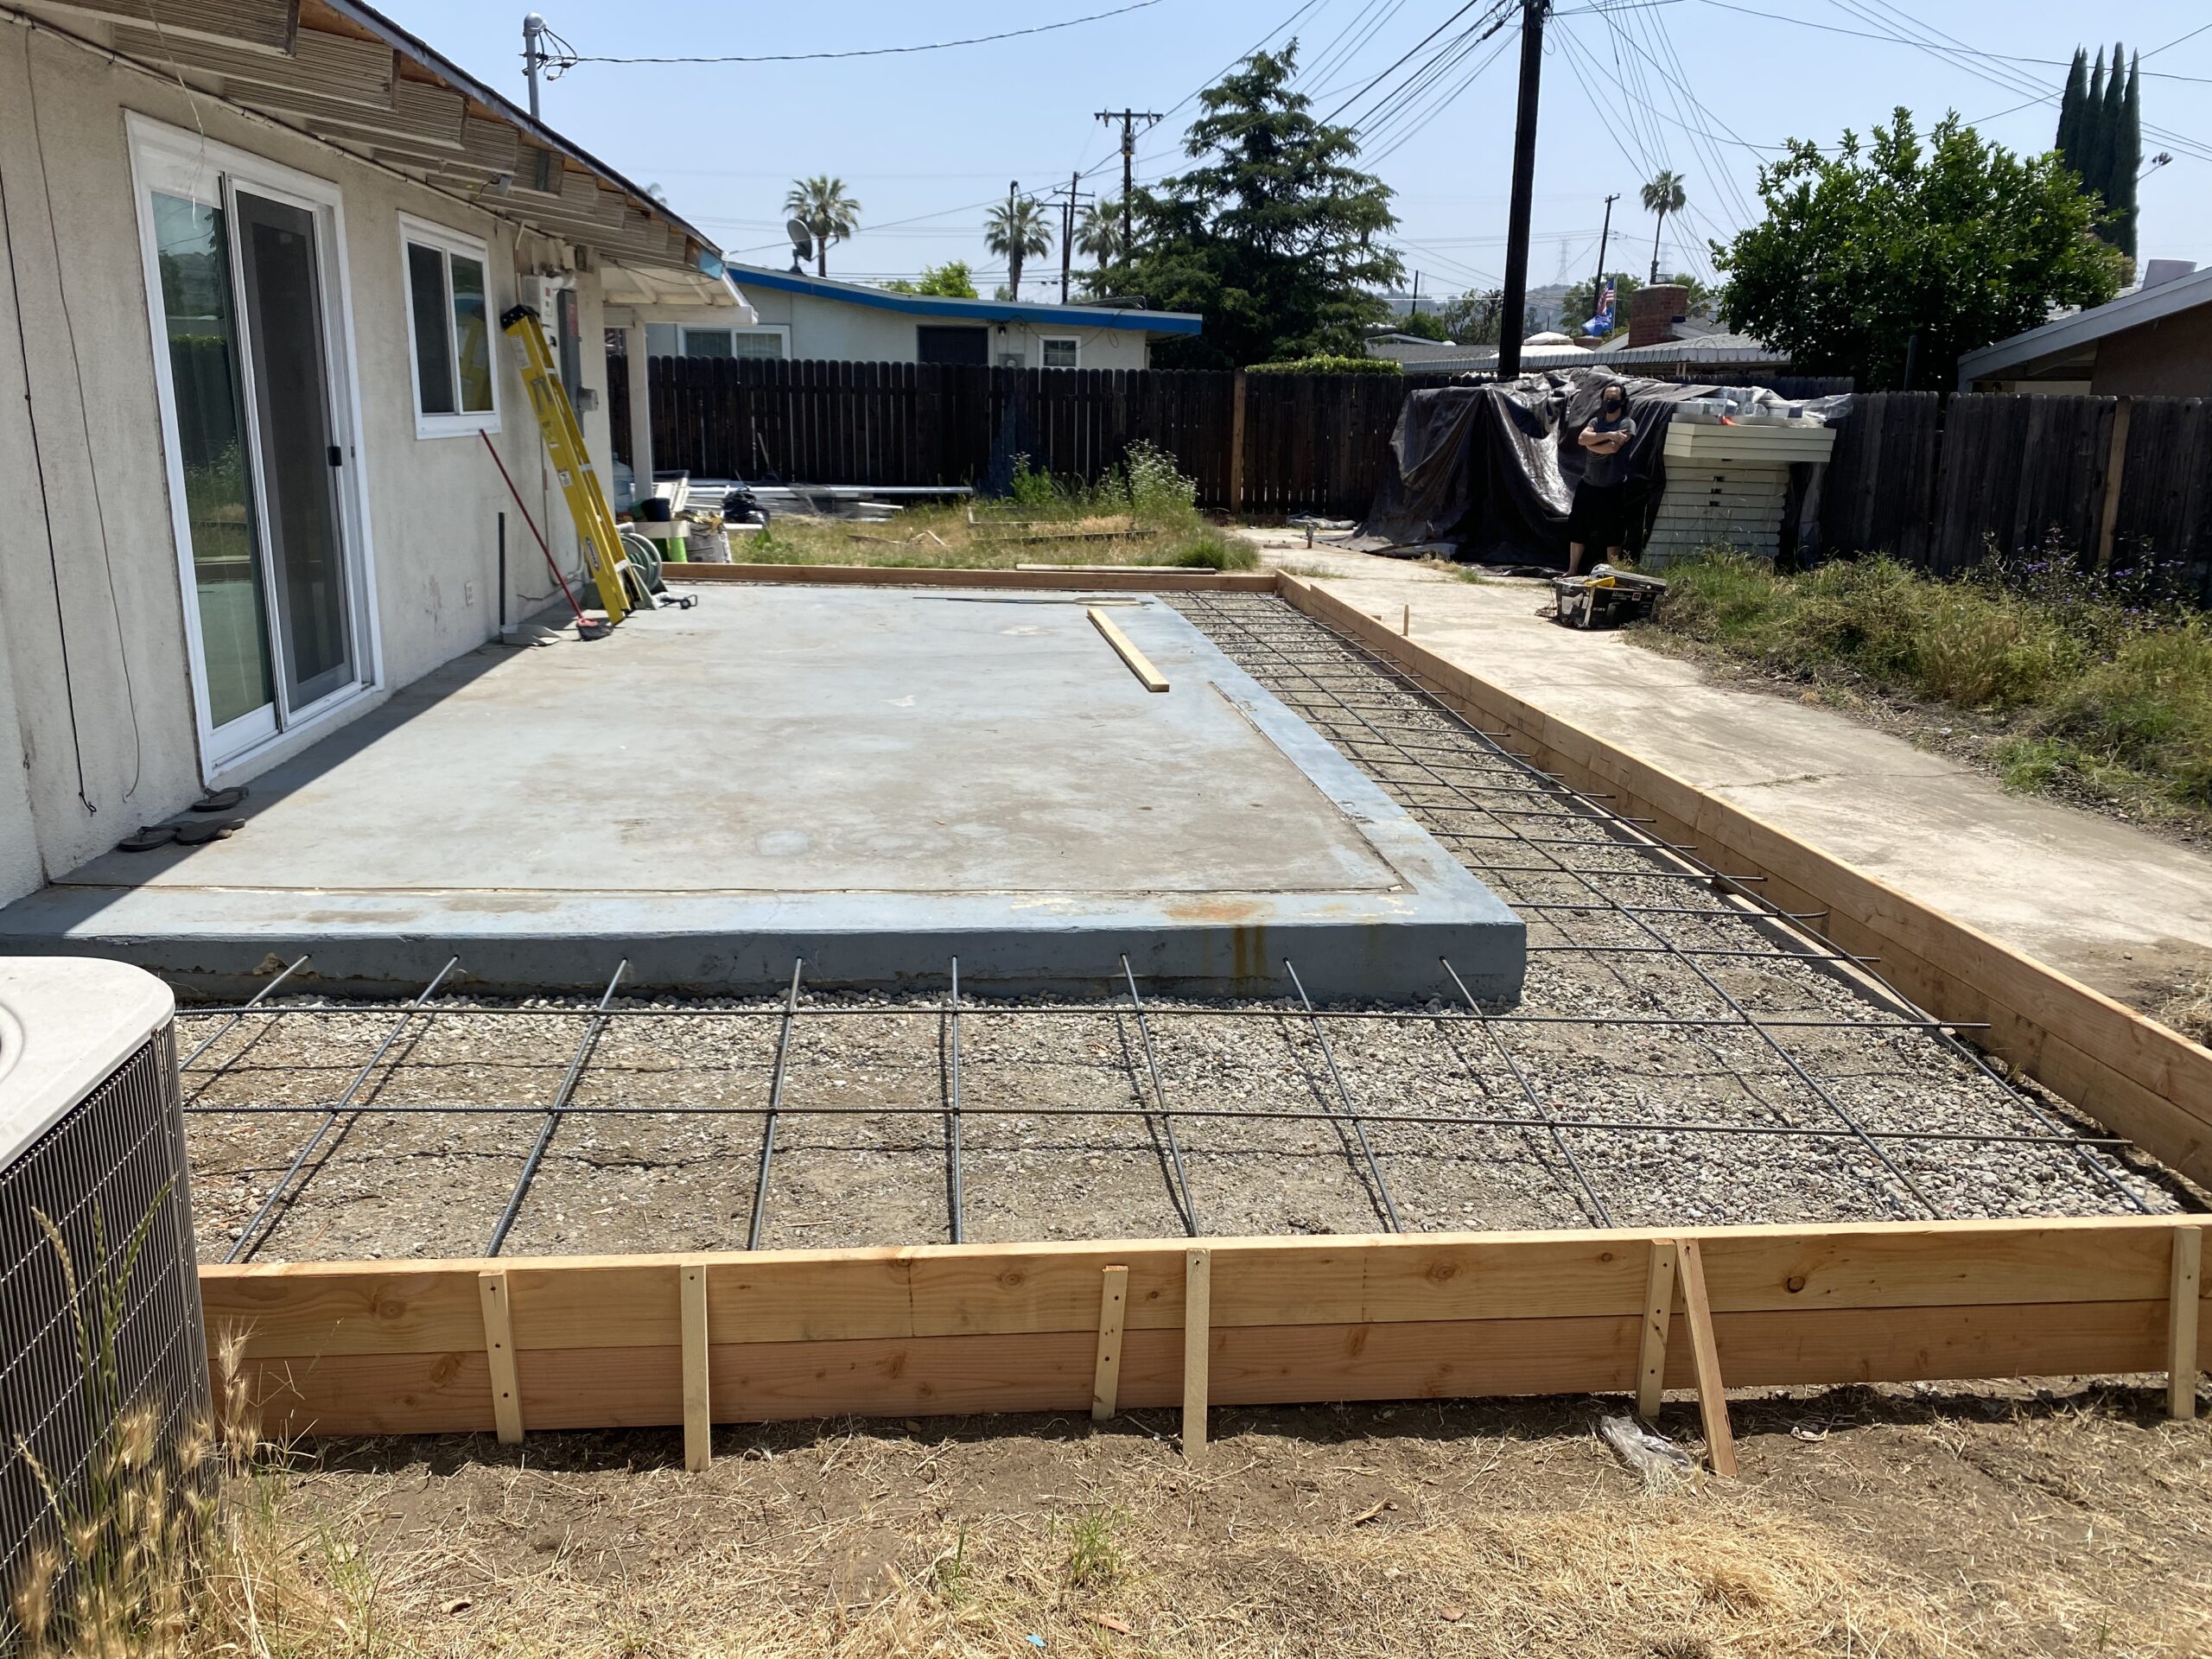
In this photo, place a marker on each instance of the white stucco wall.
(839, 330)
(431, 504)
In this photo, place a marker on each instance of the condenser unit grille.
(114, 1160)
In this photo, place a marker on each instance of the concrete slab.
(873, 780)
(2123, 909)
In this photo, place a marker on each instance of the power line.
(875, 50)
(1416, 46)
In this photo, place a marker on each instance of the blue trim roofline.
(929, 305)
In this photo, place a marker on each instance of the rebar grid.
(1650, 1028)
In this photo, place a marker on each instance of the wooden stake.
(698, 1414)
(499, 1351)
(1139, 663)
(1406, 627)
(1106, 1380)
(1712, 1392)
(1658, 1314)
(1198, 1343)
(2181, 1322)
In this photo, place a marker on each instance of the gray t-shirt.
(1603, 469)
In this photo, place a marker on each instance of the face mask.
(1612, 405)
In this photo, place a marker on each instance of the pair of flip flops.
(192, 832)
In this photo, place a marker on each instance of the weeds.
(1094, 1558)
(2102, 687)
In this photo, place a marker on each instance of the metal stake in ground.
(954, 1199)
(248, 1239)
(1159, 1094)
(1351, 1112)
(584, 1046)
(775, 1108)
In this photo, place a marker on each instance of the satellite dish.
(801, 236)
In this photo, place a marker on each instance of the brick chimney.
(1653, 312)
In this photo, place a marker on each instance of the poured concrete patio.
(873, 780)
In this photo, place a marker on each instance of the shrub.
(1331, 365)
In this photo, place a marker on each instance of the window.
(1061, 354)
(935, 343)
(733, 342)
(449, 330)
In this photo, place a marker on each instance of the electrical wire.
(877, 51)
(38, 464)
(1331, 115)
(85, 422)
(1970, 51)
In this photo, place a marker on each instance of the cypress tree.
(2069, 109)
(2127, 159)
(2090, 162)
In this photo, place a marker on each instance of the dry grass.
(942, 538)
(2188, 1010)
(1866, 1524)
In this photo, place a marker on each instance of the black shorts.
(1599, 516)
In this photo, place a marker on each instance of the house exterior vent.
(91, 1137)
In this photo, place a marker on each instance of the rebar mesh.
(1683, 1052)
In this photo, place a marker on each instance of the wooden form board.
(2134, 1075)
(599, 1342)
(1167, 578)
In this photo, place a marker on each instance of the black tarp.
(1492, 468)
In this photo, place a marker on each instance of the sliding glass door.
(242, 287)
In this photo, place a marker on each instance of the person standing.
(1599, 515)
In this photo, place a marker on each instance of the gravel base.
(1061, 1136)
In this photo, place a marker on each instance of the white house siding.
(431, 504)
(861, 334)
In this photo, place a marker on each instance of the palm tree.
(1662, 196)
(1016, 232)
(1098, 233)
(820, 203)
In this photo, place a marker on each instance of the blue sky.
(925, 140)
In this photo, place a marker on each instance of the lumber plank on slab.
(1138, 663)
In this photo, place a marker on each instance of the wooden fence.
(1938, 483)
(1270, 443)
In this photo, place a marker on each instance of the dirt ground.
(1894, 1522)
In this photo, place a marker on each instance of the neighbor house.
(254, 399)
(2154, 342)
(803, 316)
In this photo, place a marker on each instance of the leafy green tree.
(1663, 195)
(820, 203)
(1956, 240)
(1427, 325)
(1273, 236)
(1017, 232)
(950, 281)
(1472, 318)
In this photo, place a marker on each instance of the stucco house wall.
(431, 504)
(2170, 358)
(835, 329)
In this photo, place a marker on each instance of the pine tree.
(2110, 163)
(2070, 109)
(2127, 161)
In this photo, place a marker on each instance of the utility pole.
(1070, 205)
(1513, 319)
(1014, 257)
(1414, 310)
(1598, 282)
(1128, 118)
(533, 54)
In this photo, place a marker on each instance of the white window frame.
(449, 243)
(780, 331)
(1043, 341)
(194, 167)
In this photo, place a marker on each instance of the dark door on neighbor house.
(940, 344)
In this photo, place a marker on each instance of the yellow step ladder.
(564, 444)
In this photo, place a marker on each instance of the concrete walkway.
(2123, 910)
